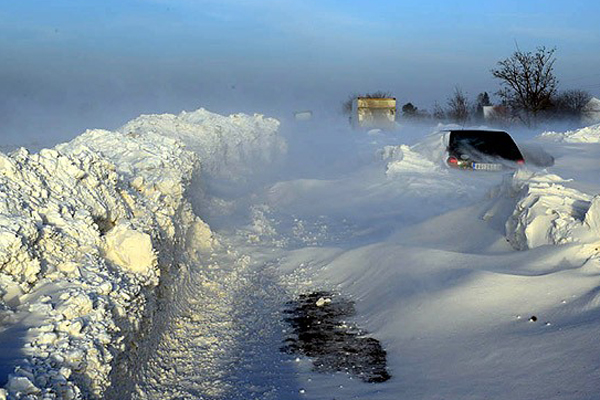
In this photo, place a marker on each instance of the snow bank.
(226, 146)
(91, 229)
(547, 211)
(589, 134)
(67, 221)
(422, 158)
(419, 171)
(544, 209)
(405, 160)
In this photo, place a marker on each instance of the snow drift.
(426, 156)
(547, 211)
(228, 147)
(589, 134)
(91, 230)
(80, 248)
(405, 159)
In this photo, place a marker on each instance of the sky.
(68, 65)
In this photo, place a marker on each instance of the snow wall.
(588, 134)
(93, 231)
(546, 211)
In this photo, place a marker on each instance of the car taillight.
(520, 162)
(452, 160)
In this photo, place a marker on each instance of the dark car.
(482, 150)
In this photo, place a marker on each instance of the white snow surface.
(588, 134)
(90, 232)
(452, 290)
(466, 261)
(112, 287)
(227, 146)
(548, 212)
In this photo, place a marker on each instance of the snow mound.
(89, 232)
(153, 163)
(79, 242)
(547, 212)
(406, 160)
(422, 158)
(226, 146)
(419, 170)
(589, 134)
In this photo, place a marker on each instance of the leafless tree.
(570, 103)
(458, 107)
(528, 82)
(438, 112)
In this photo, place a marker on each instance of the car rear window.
(492, 143)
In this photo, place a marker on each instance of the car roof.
(473, 130)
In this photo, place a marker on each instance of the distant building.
(494, 113)
(374, 112)
(590, 114)
(303, 115)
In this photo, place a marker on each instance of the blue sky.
(111, 60)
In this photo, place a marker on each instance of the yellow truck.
(373, 112)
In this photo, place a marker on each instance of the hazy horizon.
(72, 65)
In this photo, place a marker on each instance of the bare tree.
(528, 82)
(570, 103)
(458, 107)
(438, 112)
(347, 104)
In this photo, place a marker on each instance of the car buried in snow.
(482, 150)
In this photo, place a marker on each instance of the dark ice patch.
(321, 331)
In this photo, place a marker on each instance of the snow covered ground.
(477, 285)
(483, 285)
(585, 135)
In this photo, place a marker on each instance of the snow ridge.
(549, 212)
(82, 248)
(94, 230)
(227, 146)
(589, 134)
(406, 160)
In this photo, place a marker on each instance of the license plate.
(487, 166)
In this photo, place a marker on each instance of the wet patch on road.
(321, 331)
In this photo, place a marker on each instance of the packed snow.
(476, 284)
